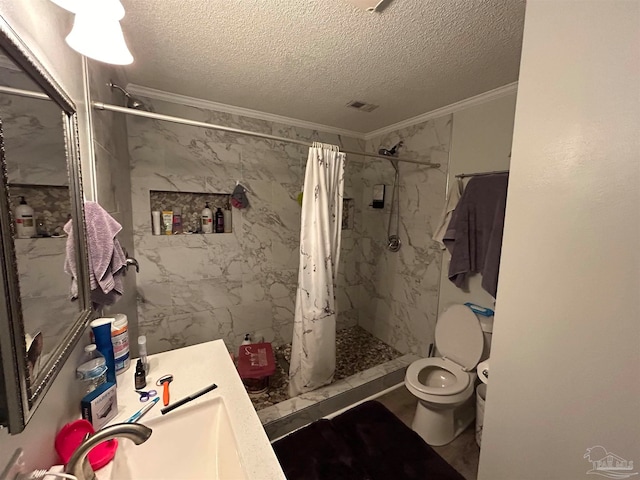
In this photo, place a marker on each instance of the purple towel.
(474, 235)
(106, 258)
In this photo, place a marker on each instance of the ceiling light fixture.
(100, 39)
(111, 9)
(96, 31)
(71, 5)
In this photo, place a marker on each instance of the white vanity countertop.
(194, 368)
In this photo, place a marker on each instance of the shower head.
(130, 101)
(393, 151)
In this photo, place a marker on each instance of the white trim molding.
(294, 122)
(446, 110)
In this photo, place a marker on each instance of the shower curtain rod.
(24, 93)
(212, 126)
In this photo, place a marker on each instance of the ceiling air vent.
(362, 106)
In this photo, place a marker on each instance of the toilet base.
(440, 424)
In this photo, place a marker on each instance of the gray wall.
(566, 343)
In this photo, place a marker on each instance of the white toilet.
(444, 385)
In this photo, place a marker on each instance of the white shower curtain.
(313, 352)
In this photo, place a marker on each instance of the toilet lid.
(459, 336)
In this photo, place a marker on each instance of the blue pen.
(140, 413)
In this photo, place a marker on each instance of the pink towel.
(106, 258)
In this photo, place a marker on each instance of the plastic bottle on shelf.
(156, 222)
(25, 223)
(219, 221)
(227, 219)
(142, 352)
(93, 372)
(120, 342)
(207, 219)
(177, 220)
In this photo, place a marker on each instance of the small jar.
(93, 372)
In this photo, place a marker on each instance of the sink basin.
(193, 442)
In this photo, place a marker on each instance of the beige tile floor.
(462, 454)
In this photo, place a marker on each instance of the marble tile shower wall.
(195, 288)
(401, 289)
(113, 182)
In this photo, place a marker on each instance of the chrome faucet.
(79, 465)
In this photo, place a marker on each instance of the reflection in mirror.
(38, 186)
(39, 160)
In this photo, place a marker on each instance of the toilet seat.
(460, 341)
(457, 382)
(459, 336)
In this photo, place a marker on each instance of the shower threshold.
(365, 366)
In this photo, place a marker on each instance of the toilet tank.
(486, 323)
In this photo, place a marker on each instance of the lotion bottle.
(207, 219)
(25, 223)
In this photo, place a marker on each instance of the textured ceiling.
(306, 59)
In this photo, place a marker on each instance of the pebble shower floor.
(356, 351)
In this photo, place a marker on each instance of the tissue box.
(100, 406)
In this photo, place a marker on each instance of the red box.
(256, 360)
(256, 364)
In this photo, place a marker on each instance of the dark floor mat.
(367, 442)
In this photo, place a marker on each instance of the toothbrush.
(140, 413)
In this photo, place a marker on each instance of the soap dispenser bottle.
(207, 219)
(25, 223)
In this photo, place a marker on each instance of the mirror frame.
(23, 394)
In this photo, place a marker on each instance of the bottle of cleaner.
(207, 219)
(25, 223)
(219, 221)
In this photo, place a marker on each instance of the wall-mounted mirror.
(42, 314)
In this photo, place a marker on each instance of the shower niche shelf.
(51, 206)
(191, 204)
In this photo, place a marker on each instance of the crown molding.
(446, 110)
(245, 112)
